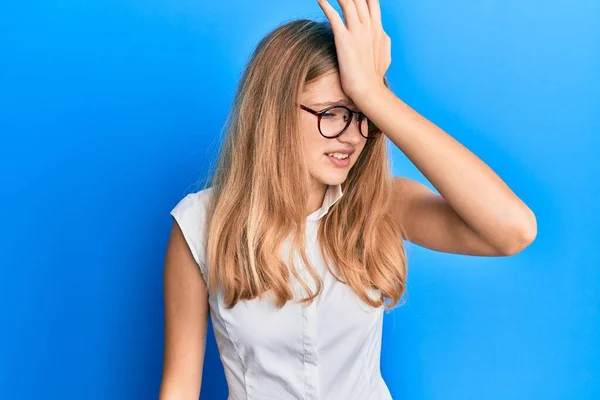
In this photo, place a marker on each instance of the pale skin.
(186, 320)
(475, 213)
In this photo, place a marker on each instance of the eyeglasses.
(333, 122)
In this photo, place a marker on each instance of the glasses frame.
(359, 117)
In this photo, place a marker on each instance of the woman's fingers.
(375, 12)
(332, 15)
(363, 11)
(350, 13)
(355, 12)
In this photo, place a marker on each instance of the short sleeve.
(190, 216)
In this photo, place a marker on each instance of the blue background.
(111, 111)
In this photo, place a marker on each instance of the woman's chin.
(334, 178)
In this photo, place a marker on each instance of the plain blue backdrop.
(110, 112)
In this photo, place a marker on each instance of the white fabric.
(329, 350)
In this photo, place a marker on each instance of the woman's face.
(323, 168)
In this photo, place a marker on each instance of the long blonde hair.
(260, 183)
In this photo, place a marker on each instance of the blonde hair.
(260, 183)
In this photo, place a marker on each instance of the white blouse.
(329, 349)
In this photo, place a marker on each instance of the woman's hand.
(363, 48)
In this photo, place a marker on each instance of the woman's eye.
(327, 115)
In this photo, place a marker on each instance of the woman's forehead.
(325, 91)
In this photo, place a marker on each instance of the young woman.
(295, 245)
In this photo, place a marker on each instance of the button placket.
(309, 328)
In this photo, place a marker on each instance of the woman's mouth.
(339, 159)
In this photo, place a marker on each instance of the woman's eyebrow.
(342, 102)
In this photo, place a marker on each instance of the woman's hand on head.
(363, 48)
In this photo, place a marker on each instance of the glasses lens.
(370, 130)
(334, 121)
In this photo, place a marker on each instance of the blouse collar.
(332, 195)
